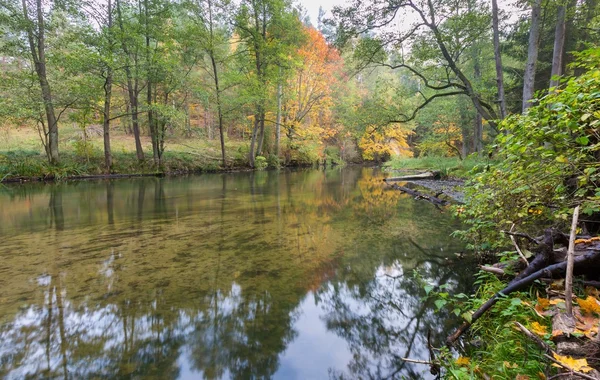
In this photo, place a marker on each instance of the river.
(305, 274)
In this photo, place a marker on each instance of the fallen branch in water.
(420, 195)
(425, 175)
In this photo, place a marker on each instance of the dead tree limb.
(425, 175)
(418, 194)
(570, 263)
(518, 285)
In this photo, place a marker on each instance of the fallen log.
(518, 285)
(420, 195)
(425, 175)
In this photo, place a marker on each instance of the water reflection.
(302, 274)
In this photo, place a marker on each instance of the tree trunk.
(478, 125)
(278, 118)
(532, 54)
(498, 56)
(39, 59)
(559, 46)
(217, 88)
(107, 98)
(132, 89)
(590, 6)
(152, 123)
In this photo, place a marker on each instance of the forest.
(174, 86)
(504, 95)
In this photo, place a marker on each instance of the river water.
(286, 275)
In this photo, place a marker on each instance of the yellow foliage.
(463, 360)
(540, 330)
(390, 140)
(589, 305)
(579, 365)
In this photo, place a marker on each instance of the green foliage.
(549, 163)
(260, 163)
(497, 346)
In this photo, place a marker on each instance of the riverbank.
(22, 158)
(515, 319)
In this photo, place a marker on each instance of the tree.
(498, 56)
(35, 30)
(130, 49)
(435, 17)
(559, 45)
(210, 17)
(532, 54)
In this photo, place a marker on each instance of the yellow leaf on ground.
(579, 365)
(589, 305)
(541, 376)
(556, 301)
(462, 360)
(543, 303)
(522, 377)
(513, 365)
(556, 333)
(541, 330)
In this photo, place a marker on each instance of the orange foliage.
(312, 87)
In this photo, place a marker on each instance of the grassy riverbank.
(447, 166)
(22, 155)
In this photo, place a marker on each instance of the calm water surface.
(289, 275)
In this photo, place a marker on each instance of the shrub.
(260, 163)
(549, 162)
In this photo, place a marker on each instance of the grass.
(496, 348)
(447, 166)
(22, 154)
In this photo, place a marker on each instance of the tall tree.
(532, 54)
(36, 32)
(559, 45)
(130, 50)
(433, 16)
(108, 87)
(498, 57)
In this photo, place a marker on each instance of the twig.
(494, 270)
(521, 235)
(580, 374)
(570, 265)
(512, 238)
(416, 361)
(541, 344)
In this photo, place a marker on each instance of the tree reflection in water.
(209, 277)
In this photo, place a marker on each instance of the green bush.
(260, 163)
(549, 161)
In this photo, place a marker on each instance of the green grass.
(447, 166)
(22, 155)
(497, 348)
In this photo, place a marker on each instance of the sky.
(312, 7)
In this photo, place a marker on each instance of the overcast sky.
(312, 6)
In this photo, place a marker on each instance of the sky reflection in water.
(291, 275)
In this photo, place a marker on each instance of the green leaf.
(440, 303)
(428, 288)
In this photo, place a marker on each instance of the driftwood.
(425, 175)
(433, 199)
(520, 284)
